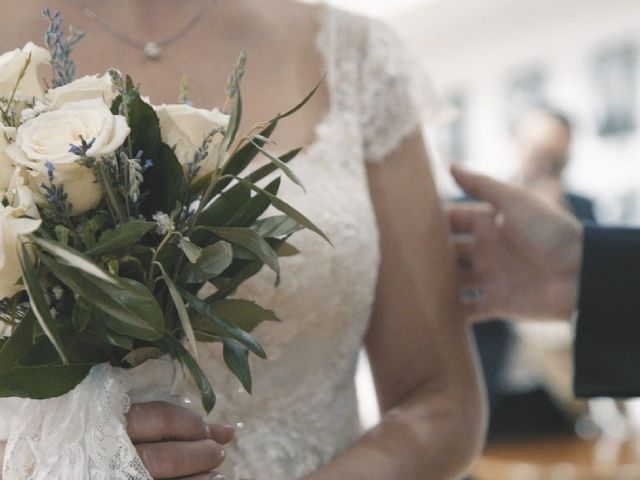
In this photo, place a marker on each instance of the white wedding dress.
(303, 411)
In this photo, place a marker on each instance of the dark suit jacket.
(607, 342)
(581, 207)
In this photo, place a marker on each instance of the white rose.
(46, 139)
(85, 88)
(13, 224)
(11, 63)
(184, 128)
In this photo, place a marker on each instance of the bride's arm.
(419, 346)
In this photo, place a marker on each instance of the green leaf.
(132, 309)
(164, 182)
(277, 226)
(183, 315)
(237, 359)
(247, 238)
(19, 343)
(140, 355)
(286, 209)
(214, 260)
(42, 381)
(98, 328)
(243, 157)
(253, 208)
(234, 121)
(286, 250)
(304, 101)
(221, 209)
(145, 320)
(121, 237)
(243, 313)
(81, 315)
(39, 304)
(228, 330)
(282, 166)
(75, 259)
(62, 234)
(224, 289)
(269, 168)
(206, 392)
(190, 249)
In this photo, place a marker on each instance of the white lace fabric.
(303, 411)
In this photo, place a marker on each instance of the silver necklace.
(152, 50)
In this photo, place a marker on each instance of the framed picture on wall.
(526, 91)
(615, 77)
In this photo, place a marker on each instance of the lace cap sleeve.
(396, 94)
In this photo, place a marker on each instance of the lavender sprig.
(59, 208)
(64, 69)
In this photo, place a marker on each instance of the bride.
(387, 285)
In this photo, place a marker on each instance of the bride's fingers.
(222, 434)
(465, 216)
(156, 421)
(180, 459)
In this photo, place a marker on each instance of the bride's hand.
(174, 442)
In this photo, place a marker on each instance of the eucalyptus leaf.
(98, 327)
(286, 209)
(244, 314)
(42, 381)
(282, 166)
(190, 249)
(131, 308)
(20, 341)
(39, 305)
(229, 286)
(164, 182)
(75, 259)
(62, 234)
(121, 237)
(234, 121)
(236, 358)
(304, 101)
(183, 315)
(269, 168)
(229, 330)
(247, 238)
(206, 392)
(277, 226)
(81, 315)
(222, 208)
(140, 355)
(286, 250)
(253, 208)
(243, 157)
(214, 260)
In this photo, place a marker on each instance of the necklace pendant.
(152, 51)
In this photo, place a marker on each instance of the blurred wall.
(489, 55)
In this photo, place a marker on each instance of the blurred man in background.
(528, 367)
(544, 139)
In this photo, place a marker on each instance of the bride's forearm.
(426, 437)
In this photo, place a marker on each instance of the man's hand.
(174, 442)
(518, 256)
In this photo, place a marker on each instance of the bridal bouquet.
(115, 213)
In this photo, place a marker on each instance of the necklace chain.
(151, 49)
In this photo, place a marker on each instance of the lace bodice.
(303, 410)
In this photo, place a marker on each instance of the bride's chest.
(327, 290)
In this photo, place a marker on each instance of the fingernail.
(217, 476)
